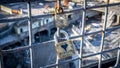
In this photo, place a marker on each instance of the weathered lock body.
(61, 20)
(65, 48)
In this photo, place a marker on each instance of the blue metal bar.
(82, 33)
(118, 57)
(34, 45)
(85, 56)
(30, 32)
(40, 16)
(1, 61)
(103, 35)
(18, 1)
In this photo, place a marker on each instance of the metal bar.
(103, 35)
(101, 52)
(40, 16)
(30, 32)
(1, 61)
(63, 62)
(6, 20)
(19, 1)
(82, 36)
(85, 56)
(58, 30)
(34, 45)
(118, 57)
(59, 2)
(82, 33)
(104, 5)
(105, 63)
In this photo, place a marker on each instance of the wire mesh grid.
(80, 58)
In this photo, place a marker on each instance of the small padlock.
(65, 48)
(61, 20)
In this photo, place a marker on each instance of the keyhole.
(64, 47)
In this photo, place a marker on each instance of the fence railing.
(80, 58)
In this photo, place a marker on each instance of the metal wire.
(73, 37)
(46, 15)
(84, 56)
(103, 36)
(118, 57)
(30, 32)
(82, 35)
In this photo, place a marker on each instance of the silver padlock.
(61, 20)
(65, 48)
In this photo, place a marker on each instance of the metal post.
(30, 32)
(118, 57)
(1, 61)
(103, 35)
(58, 29)
(59, 3)
(82, 33)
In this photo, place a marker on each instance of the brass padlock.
(65, 48)
(61, 20)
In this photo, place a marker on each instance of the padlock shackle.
(58, 31)
(58, 10)
(63, 32)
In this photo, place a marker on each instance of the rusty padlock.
(61, 20)
(64, 48)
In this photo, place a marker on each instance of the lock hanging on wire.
(64, 48)
(61, 20)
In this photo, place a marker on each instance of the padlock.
(61, 20)
(64, 48)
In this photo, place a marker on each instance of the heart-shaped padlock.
(64, 48)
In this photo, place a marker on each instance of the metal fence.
(85, 7)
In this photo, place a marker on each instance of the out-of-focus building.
(20, 28)
(76, 0)
(110, 1)
(113, 1)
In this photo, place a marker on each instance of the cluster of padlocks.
(63, 46)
